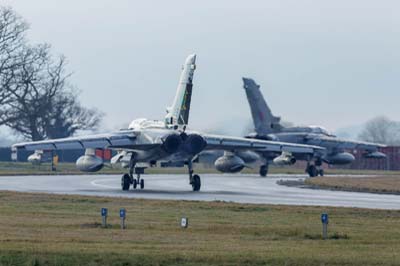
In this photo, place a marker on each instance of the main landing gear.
(128, 179)
(264, 170)
(194, 180)
(315, 170)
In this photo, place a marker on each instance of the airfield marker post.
(104, 213)
(184, 222)
(325, 221)
(122, 215)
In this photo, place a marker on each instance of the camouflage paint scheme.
(148, 142)
(268, 127)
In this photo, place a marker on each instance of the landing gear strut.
(128, 179)
(315, 170)
(320, 170)
(194, 180)
(138, 182)
(312, 170)
(264, 170)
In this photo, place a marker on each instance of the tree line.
(37, 98)
(381, 130)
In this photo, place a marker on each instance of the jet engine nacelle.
(284, 159)
(229, 164)
(340, 158)
(172, 143)
(193, 143)
(89, 163)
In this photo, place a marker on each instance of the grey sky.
(334, 63)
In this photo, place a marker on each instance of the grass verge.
(389, 184)
(41, 229)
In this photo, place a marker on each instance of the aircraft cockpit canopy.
(145, 123)
(321, 130)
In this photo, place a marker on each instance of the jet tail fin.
(264, 121)
(178, 113)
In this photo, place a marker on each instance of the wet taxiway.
(236, 188)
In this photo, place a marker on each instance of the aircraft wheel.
(125, 182)
(142, 184)
(321, 172)
(196, 183)
(312, 171)
(263, 170)
(135, 183)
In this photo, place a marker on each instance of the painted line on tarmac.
(96, 184)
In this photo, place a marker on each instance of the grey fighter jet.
(147, 142)
(268, 127)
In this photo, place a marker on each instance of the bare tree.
(68, 116)
(36, 99)
(381, 130)
(26, 95)
(44, 104)
(12, 42)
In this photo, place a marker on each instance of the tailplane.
(264, 121)
(178, 113)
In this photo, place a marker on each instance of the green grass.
(39, 229)
(387, 184)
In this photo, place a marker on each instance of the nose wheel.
(138, 183)
(128, 179)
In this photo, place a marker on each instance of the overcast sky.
(333, 63)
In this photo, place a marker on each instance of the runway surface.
(236, 188)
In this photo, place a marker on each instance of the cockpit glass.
(321, 130)
(144, 123)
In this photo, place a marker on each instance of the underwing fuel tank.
(375, 155)
(89, 163)
(229, 163)
(248, 156)
(339, 158)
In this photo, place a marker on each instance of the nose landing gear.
(128, 179)
(138, 182)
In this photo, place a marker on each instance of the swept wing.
(341, 144)
(128, 140)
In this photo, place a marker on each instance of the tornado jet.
(146, 143)
(269, 127)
